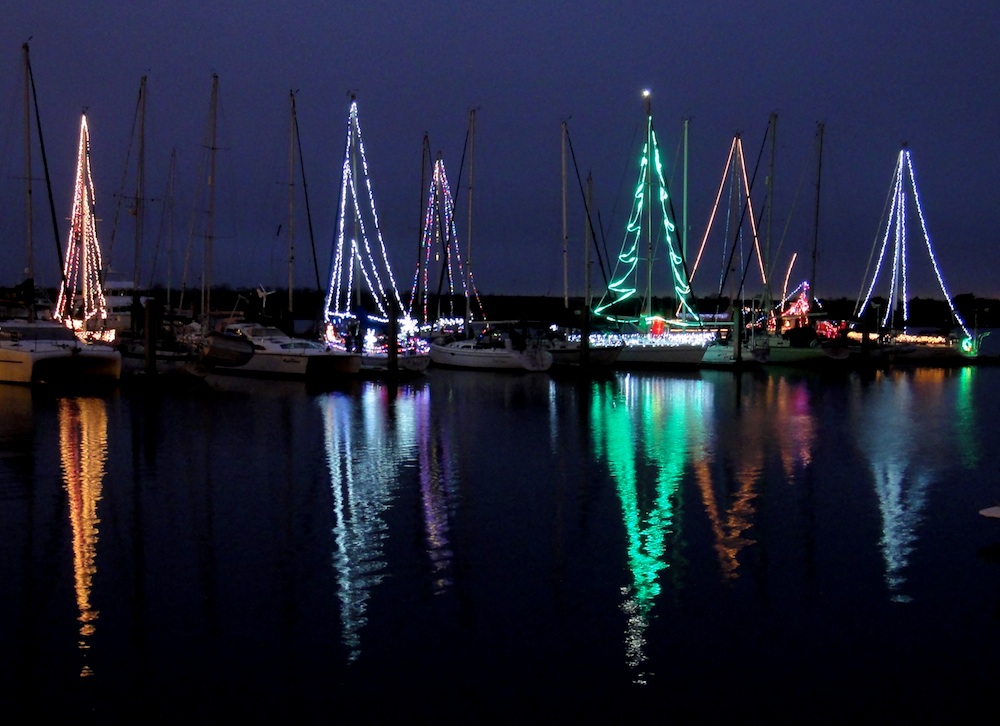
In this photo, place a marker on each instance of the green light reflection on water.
(645, 434)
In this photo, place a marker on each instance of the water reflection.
(438, 490)
(788, 407)
(966, 424)
(83, 444)
(368, 440)
(900, 424)
(16, 434)
(645, 432)
(774, 416)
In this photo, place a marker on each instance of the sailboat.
(652, 339)
(580, 349)
(780, 333)
(896, 339)
(35, 348)
(278, 355)
(792, 334)
(363, 312)
(80, 303)
(123, 299)
(462, 339)
(132, 318)
(453, 307)
(217, 350)
(731, 348)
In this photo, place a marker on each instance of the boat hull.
(911, 356)
(665, 356)
(416, 363)
(464, 354)
(573, 356)
(136, 361)
(85, 367)
(727, 356)
(47, 353)
(279, 356)
(222, 349)
(315, 368)
(780, 353)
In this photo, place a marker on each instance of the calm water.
(774, 546)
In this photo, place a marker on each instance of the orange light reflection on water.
(83, 445)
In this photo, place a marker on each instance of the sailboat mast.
(770, 201)
(206, 281)
(904, 297)
(291, 197)
(86, 209)
(30, 259)
(468, 238)
(355, 252)
(140, 184)
(648, 197)
(305, 196)
(819, 173)
(170, 222)
(45, 162)
(684, 206)
(587, 241)
(565, 234)
(419, 294)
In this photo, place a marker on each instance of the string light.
(624, 285)
(440, 237)
(83, 265)
(371, 261)
(896, 225)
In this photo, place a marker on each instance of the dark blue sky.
(876, 75)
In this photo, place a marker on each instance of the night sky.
(876, 75)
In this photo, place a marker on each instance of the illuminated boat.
(46, 352)
(568, 352)
(919, 348)
(793, 337)
(664, 348)
(363, 311)
(652, 340)
(34, 348)
(888, 336)
(413, 356)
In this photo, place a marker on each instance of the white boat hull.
(726, 355)
(465, 354)
(279, 356)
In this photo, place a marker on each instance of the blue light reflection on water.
(473, 538)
